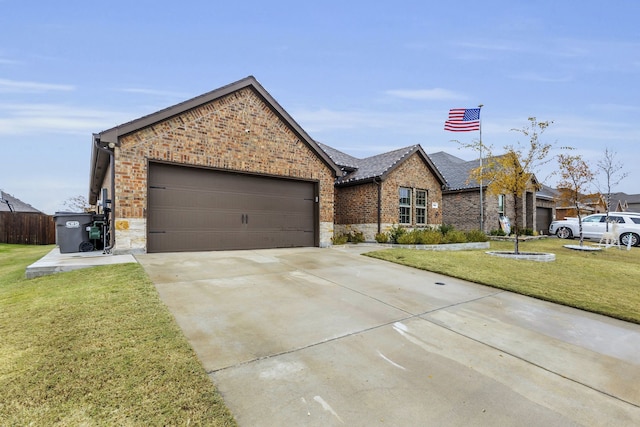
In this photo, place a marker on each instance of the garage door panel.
(544, 216)
(197, 209)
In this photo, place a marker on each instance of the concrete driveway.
(324, 337)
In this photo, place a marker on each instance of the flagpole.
(481, 198)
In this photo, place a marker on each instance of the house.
(587, 203)
(8, 203)
(229, 169)
(545, 208)
(401, 187)
(461, 200)
(623, 202)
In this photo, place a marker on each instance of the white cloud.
(327, 120)
(498, 45)
(538, 77)
(154, 92)
(21, 119)
(426, 94)
(614, 108)
(16, 86)
(5, 61)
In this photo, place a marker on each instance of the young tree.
(612, 175)
(575, 177)
(514, 172)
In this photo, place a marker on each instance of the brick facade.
(237, 132)
(357, 205)
(462, 210)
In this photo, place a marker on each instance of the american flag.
(463, 120)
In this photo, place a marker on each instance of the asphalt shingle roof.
(455, 170)
(16, 204)
(355, 169)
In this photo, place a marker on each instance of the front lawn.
(605, 282)
(95, 347)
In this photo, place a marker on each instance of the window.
(501, 205)
(594, 218)
(421, 207)
(617, 219)
(405, 206)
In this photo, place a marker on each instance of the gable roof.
(356, 171)
(546, 192)
(620, 201)
(455, 171)
(13, 204)
(100, 158)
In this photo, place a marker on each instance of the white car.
(627, 227)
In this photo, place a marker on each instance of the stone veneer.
(238, 132)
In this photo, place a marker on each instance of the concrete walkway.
(55, 262)
(327, 337)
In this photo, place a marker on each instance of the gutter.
(109, 150)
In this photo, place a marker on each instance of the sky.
(364, 77)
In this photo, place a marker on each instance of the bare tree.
(611, 171)
(76, 204)
(575, 177)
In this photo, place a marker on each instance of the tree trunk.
(516, 228)
(579, 224)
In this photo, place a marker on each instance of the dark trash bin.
(71, 231)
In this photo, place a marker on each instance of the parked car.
(593, 226)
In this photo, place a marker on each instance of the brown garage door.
(193, 209)
(543, 219)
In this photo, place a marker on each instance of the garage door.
(543, 219)
(193, 209)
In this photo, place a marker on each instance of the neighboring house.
(623, 202)
(461, 198)
(588, 204)
(8, 203)
(545, 208)
(401, 187)
(229, 169)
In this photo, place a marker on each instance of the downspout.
(378, 181)
(112, 193)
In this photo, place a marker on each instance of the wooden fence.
(27, 228)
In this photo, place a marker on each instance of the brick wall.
(238, 132)
(462, 210)
(357, 205)
(412, 173)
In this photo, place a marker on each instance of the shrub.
(382, 237)
(498, 232)
(356, 237)
(395, 232)
(455, 236)
(407, 238)
(445, 228)
(476, 236)
(340, 239)
(526, 232)
(429, 236)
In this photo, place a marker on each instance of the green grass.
(95, 347)
(605, 282)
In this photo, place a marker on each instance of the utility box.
(71, 231)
